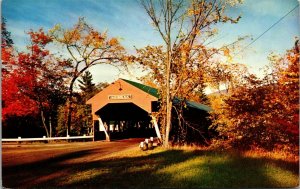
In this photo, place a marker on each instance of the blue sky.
(127, 19)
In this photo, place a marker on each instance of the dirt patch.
(26, 165)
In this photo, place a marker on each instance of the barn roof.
(154, 92)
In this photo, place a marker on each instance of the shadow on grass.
(161, 169)
(26, 174)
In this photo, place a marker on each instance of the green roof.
(150, 90)
(198, 106)
(154, 92)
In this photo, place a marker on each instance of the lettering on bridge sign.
(120, 97)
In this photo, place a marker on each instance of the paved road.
(29, 164)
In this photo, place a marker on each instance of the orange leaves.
(95, 39)
(88, 43)
(263, 110)
(113, 41)
(193, 12)
(71, 36)
(86, 47)
(227, 54)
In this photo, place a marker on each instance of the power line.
(268, 29)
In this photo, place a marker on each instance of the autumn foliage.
(264, 112)
(178, 66)
(32, 80)
(86, 48)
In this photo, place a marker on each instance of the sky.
(127, 20)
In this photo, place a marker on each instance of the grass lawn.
(161, 168)
(184, 169)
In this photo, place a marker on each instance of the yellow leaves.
(184, 52)
(57, 27)
(226, 52)
(193, 12)
(96, 39)
(113, 42)
(71, 36)
(215, 31)
(234, 3)
(129, 59)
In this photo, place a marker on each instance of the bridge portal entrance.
(123, 110)
(123, 120)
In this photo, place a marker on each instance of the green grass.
(182, 169)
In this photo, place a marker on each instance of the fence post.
(45, 141)
(151, 143)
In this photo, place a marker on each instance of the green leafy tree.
(6, 40)
(81, 117)
(86, 85)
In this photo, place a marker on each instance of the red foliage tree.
(265, 112)
(34, 81)
(15, 103)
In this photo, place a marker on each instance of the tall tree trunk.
(70, 98)
(44, 123)
(168, 73)
(69, 118)
(50, 126)
(70, 103)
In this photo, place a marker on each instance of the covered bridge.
(123, 109)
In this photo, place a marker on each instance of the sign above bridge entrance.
(120, 97)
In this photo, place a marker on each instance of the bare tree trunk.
(44, 123)
(168, 73)
(69, 118)
(50, 126)
(70, 102)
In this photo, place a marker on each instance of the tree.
(265, 112)
(86, 85)
(15, 103)
(100, 86)
(86, 48)
(6, 46)
(6, 40)
(177, 67)
(35, 82)
(81, 117)
(225, 75)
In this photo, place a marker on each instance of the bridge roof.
(154, 92)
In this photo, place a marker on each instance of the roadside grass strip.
(184, 169)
